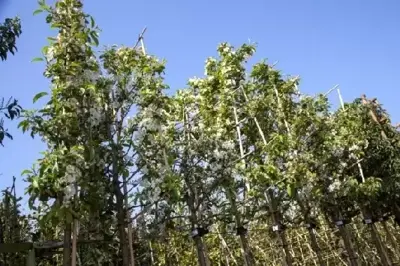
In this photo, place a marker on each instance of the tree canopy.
(238, 168)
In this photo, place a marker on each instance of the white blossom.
(334, 186)
(96, 116)
(354, 148)
(50, 53)
(228, 145)
(231, 82)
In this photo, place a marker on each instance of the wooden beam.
(53, 244)
(15, 247)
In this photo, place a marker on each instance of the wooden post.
(352, 255)
(392, 240)
(385, 260)
(67, 242)
(31, 258)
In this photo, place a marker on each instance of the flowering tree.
(69, 123)
(203, 170)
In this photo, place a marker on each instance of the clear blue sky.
(352, 43)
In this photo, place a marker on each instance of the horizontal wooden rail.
(25, 246)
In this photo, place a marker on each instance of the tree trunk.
(151, 253)
(247, 255)
(246, 252)
(311, 229)
(121, 217)
(376, 238)
(201, 252)
(352, 255)
(74, 243)
(280, 232)
(128, 217)
(315, 246)
(385, 260)
(391, 239)
(67, 243)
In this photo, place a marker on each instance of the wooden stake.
(140, 40)
(67, 243)
(374, 232)
(31, 258)
(75, 231)
(287, 258)
(226, 247)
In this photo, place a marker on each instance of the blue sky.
(351, 43)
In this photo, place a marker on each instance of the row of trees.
(235, 153)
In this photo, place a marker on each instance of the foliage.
(10, 30)
(228, 170)
(15, 227)
(11, 110)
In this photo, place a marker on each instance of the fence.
(264, 244)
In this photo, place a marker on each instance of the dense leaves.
(215, 172)
(10, 30)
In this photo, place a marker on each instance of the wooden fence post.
(31, 258)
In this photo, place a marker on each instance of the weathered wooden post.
(31, 258)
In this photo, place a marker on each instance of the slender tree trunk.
(67, 243)
(280, 232)
(121, 213)
(201, 252)
(391, 239)
(75, 229)
(74, 243)
(385, 260)
(121, 217)
(246, 252)
(376, 238)
(128, 217)
(315, 246)
(352, 255)
(151, 253)
(247, 255)
(226, 249)
(311, 230)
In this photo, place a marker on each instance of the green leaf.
(95, 38)
(125, 173)
(26, 172)
(38, 59)
(45, 49)
(37, 11)
(39, 95)
(92, 23)
(22, 123)
(290, 190)
(35, 183)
